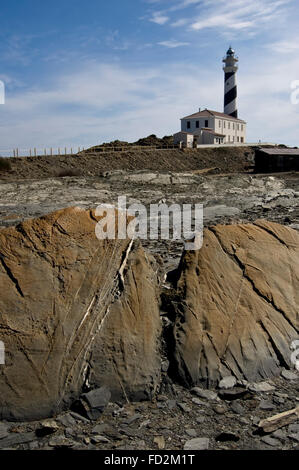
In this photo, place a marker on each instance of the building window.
(242, 127)
(238, 127)
(206, 123)
(219, 123)
(238, 139)
(224, 124)
(188, 124)
(228, 124)
(197, 124)
(242, 140)
(233, 126)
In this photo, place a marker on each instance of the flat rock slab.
(217, 212)
(271, 441)
(4, 430)
(17, 438)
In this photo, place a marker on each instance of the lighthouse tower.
(230, 83)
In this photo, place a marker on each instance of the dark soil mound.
(89, 163)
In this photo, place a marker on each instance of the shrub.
(5, 164)
(68, 172)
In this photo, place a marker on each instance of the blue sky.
(80, 73)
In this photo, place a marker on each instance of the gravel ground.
(169, 422)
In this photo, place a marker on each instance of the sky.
(82, 73)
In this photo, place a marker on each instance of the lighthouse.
(230, 83)
(207, 127)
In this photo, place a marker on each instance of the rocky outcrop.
(79, 317)
(74, 311)
(237, 304)
(126, 349)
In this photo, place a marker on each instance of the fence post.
(17, 152)
(35, 151)
(59, 151)
(71, 151)
(51, 150)
(14, 152)
(65, 150)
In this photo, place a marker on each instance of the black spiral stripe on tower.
(234, 114)
(230, 96)
(228, 75)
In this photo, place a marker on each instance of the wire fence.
(38, 151)
(130, 148)
(58, 151)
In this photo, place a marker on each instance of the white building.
(211, 127)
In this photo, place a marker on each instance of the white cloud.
(159, 18)
(285, 46)
(172, 43)
(105, 102)
(184, 4)
(100, 103)
(239, 14)
(236, 15)
(180, 22)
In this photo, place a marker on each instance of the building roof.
(184, 132)
(280, 151)
(209, 113)
(210, 131)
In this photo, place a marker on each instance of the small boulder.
(199, 443)
(233, 393)
(289, 375)
(93, 403)
(207, 394)
(227, 382)
(261, 387)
